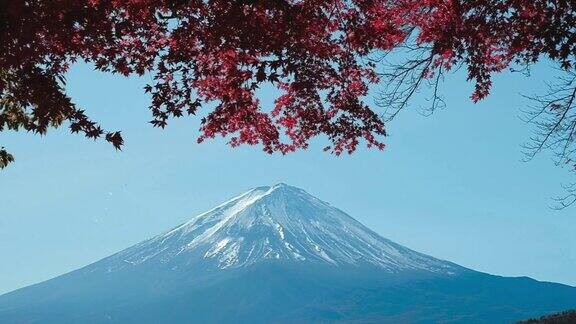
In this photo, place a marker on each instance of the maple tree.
(322, 55)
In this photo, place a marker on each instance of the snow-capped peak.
(277, 222)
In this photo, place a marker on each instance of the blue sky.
(451, 185)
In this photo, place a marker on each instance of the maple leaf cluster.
(317, 53)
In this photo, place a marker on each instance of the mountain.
(278, 254)
(273, 223)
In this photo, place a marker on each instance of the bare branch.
(568, 199)
(554, 118)
(401, 81)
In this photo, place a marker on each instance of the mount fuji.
(278, 254)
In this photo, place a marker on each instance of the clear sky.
(451, 185)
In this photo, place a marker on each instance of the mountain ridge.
(279, 222)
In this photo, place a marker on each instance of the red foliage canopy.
(318, 53)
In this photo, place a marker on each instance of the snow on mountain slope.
(274, 223)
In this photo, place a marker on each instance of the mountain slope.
(278, 254)
(279, 222)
